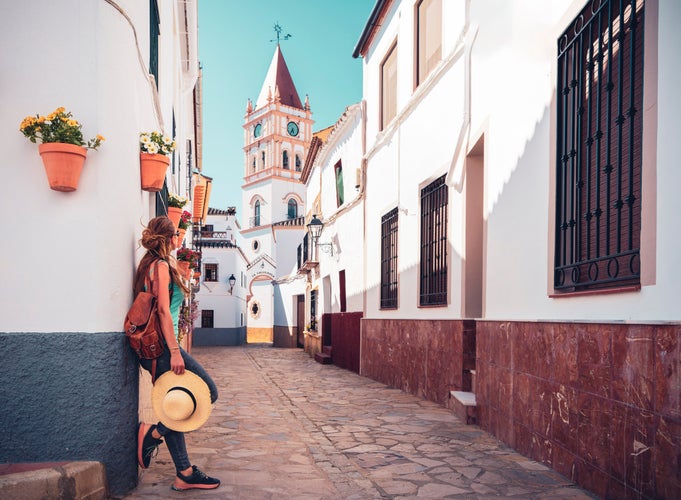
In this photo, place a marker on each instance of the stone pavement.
(286, 426)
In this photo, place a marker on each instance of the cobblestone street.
(285, 426)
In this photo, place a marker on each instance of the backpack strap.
(155, 294)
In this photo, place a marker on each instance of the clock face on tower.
(257, 131)
(292, 128)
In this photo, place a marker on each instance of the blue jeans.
(175, 440)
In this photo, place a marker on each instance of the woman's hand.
(176, 362)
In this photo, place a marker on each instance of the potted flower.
(62, 149)
(175, 205)
(187, 259)
(185, 220)
(155, 150)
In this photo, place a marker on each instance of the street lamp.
(232, 282)
(315, 228)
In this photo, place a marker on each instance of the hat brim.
(193, 384)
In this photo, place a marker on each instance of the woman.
(157, 272)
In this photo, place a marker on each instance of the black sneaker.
(147, 445)
(197, 480)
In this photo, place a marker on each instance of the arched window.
(256, 213)
(298, 163)
(292, 209)
(284, 159)
(263, 159)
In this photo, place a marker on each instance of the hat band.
(185, 390)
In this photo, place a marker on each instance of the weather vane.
(277, 28)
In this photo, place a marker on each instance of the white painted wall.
(511, 77)
(343, 225)
(73, 254)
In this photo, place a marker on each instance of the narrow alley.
(285, 426)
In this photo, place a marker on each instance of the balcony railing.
(306, 260)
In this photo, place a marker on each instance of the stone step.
(464, 406)
(322, 358)
(327, 349)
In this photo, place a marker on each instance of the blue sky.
(235, 52)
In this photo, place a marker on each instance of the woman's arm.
(161, 280)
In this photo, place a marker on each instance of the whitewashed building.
(332, 258)
(221, 296)
(517, 227)
(121, 67)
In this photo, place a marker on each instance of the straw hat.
(182, 402)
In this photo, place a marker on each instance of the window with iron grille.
(210, 272)
(313, 310)
(389, 260)
(433, 266)
(599, 147)
(207, 318)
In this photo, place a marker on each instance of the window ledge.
(605, 291)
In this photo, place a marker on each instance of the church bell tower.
(277, 135)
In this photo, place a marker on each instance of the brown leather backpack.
(143, 328)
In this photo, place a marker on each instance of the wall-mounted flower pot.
(183, 268)
(199, 194)
(182, 232)
(174, 215)
(153, 171)
(63, 164)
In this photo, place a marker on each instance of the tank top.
(176, 299)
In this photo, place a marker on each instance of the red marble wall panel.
(632, 444)
(598, 402)
(633, 372)
(667, 373)
(667, 458)
(564, 369)
(422, 357)
(565, 462)
(594, 360)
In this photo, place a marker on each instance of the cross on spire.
(277, 29)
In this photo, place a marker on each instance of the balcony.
(213, 239)
(306, 262)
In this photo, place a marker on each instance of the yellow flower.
(60, 110)
(72, 123)
(100, 138)
(41, 119)
(51, 116)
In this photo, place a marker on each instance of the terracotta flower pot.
(174, 215)
(183, 267)
(63, 164)
(182, 232)
(199, 193)
(153, 171)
